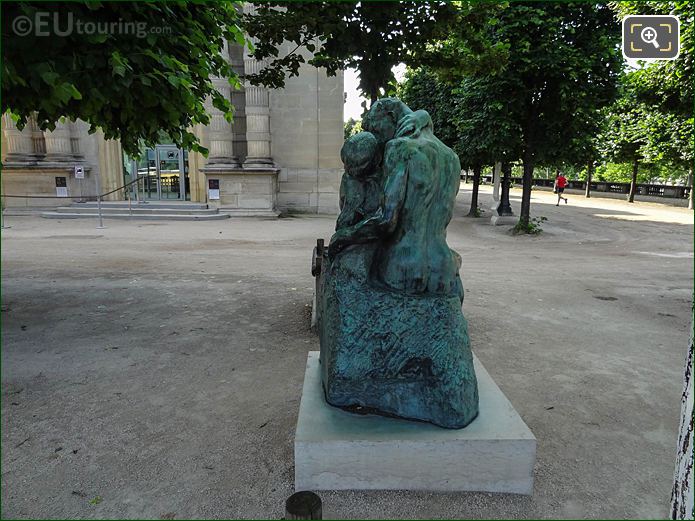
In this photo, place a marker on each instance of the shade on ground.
(158, 366)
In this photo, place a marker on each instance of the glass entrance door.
(170, 172)
(164, 173)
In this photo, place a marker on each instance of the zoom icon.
(651, 37)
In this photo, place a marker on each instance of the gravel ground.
(154, 370)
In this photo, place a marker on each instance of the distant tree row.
(562, 98)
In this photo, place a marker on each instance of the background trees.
(352, 126)
(471, 116)
(132, 86)
(541, 104)
(371, 37)
(560, 96)
(625, 134)
(561, 70)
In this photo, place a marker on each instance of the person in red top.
(560, 184)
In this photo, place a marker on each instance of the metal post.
(2, 216)
(504, 208)
(97, 182)
(130, 207)
(134, 167)
(303, 505)
(101, 220)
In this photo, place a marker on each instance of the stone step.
(138, 216)
(175, 205)
(137, 210)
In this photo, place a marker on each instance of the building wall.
(35, 175)
(306, 119)
(306, 133)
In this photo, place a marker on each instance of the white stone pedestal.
(500, 220)
(337, 450)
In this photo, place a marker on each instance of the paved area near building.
(154, 370)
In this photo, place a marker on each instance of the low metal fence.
(665, 191)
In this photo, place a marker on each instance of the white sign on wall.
(79, 172)
(61, 187)
(213, 189)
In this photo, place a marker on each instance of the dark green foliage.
(131, 87)
(665, 88)
(422, 89)
(562, 68)
(467, 116)
(559, 67)
(371, 37)
(624, 135)
(534, 226)
(667, 85)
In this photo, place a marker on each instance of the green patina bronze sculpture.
(394, 340)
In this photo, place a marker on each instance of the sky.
(353, 102)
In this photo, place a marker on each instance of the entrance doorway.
(164, 173)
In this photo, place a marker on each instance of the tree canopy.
(666, 84)
(371, 37)
(422, 89)
(665, 87)
(133, 85)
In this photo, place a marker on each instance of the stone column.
(236, 59)
(75, 128)
(58, 144)
(257, 113)
(37, 138)
(496, 181)
(20, 147)
(220, 134)
(110, 166)
(257, 121)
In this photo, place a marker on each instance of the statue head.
(382, 118)
(360, 154)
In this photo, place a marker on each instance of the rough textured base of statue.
(390, 353)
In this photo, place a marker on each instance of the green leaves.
(130, 86)
(664, 89)
(50, 77)
(369, 36)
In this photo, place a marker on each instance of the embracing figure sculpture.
(393, 337)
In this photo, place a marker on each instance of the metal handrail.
(98, 197)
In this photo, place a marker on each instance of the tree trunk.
(589, 175)
(525, 213)
(682, 493)
(474, 194)
(690, 182)
(633, 183)
(373, 94)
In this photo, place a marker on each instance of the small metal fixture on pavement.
(303, 505)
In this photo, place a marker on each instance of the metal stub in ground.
(317, 258)
(303, 505)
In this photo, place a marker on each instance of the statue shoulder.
(402, 146)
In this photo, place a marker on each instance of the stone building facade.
(281, 153)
